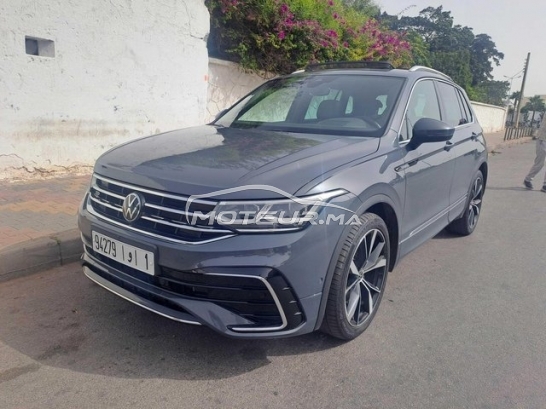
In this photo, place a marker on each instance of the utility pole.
(522, 88)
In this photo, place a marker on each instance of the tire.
(467, 223)
(359, 279)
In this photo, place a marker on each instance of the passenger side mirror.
(427, 130)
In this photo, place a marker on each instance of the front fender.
(368, 200)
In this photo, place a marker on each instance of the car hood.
(206, 159)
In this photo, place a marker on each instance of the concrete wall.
(492, 118)
(227, 84)
(121, 69)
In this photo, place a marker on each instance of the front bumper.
(247, 286)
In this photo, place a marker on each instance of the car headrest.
(328, 109)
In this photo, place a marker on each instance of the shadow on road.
(61, 319)
(515, 189)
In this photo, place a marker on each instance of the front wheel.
(466, 224)
(359, 279)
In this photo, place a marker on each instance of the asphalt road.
(462, 325)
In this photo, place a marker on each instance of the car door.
(465, 143)
(428, 171)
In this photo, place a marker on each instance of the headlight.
(272, 215)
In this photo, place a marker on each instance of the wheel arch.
(484, 169)
(384, 207)
(387, 213)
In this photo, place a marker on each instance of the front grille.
(275, 307)
(163, 215)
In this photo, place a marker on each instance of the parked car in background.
(285, 215)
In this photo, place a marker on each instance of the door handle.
(406, 165)
(448, 146)
(474, 136)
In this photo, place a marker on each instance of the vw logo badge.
(132, 206)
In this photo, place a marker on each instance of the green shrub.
(282, 36)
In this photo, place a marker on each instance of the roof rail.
(428, 69)
(334, 65)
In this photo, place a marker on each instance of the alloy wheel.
(475, 204)
(366, 277)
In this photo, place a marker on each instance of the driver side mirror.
(428, 130)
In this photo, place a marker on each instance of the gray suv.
(285, 215)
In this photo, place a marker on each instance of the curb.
(39, 254)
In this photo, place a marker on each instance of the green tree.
(366, 7)
(492, 92)
(483, 54)
(456, 64)
(535, 104)
(283, 36)
(514, 96)
(452, 49)
(419, 49)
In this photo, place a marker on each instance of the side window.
(452, 110)
(466, 107)
(423, 103)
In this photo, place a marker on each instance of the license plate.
(124, 253)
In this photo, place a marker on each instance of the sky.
(516, 27)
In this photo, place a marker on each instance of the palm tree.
(535, 104)
(515, 97)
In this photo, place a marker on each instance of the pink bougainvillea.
(283, 35)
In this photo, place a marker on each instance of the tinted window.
(423, 103)
(466, 108)
(450, 99)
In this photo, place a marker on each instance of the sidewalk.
(495, 141)
(38, 228)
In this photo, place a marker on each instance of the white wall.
(227, 84)
(492, 118)
(122, 69)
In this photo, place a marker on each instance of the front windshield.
(335, 104)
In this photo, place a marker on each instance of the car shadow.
(64, 320)
(444, 234)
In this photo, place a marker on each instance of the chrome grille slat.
(107, 204)
(185, 226)
(98, 189)
(181, 212)
(161, 216)
(153, 192)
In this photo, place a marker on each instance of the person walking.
(541, 156)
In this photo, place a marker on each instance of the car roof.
(352, 68)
